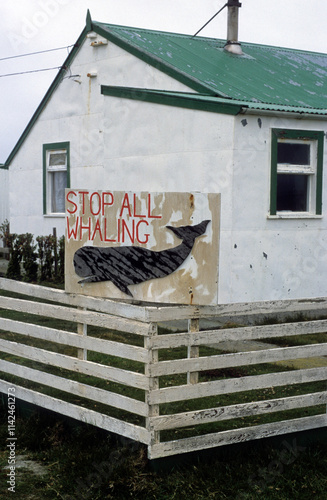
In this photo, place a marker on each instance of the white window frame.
(309, 170)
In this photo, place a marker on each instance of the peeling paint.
(166, 212)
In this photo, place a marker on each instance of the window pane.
(58, 185)
(292, 192)
(57, 159)
(293, 154)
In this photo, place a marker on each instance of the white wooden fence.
(112, 365)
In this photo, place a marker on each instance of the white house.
(139, 110)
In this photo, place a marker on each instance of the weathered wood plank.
(207, 337)
(267, 307)
(235, 436)
(76, 388)
(225, 386)
(75, 315)
(123, 309)
(92, 417)
(237, 359)
(109, 373)
(151, 313)
(191, 418)
(103, 346)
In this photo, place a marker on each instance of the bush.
(5, 233)
(29, 257)
(40, 261)
(14, 266)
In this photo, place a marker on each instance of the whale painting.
(131, 265)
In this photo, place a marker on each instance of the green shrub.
(14, 265)
(5, 233)
(40, 261)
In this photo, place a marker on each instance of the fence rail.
(116, 366)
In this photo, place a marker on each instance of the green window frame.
(56, 177)
(296, 172)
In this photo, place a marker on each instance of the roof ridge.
(206, 38)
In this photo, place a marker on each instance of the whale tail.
(189, 233)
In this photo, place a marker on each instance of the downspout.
(233, 45)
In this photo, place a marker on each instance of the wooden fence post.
(193, 351)
(153, 383)
(82, 330)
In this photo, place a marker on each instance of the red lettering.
(146, 235)
(105, 232)
(125, 204)
(99, 203)
(83, 193)
(87, 227)
(118, 230)
(72, 231)
(97, 228)
(72, 202)
(134, 203)
(149, 210)
(125, 227)
(104, 203)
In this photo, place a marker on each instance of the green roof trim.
(201, 101)
(264, 75)
(179, 99)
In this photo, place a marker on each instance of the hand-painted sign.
(156, 247)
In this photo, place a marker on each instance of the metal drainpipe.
(233, 45)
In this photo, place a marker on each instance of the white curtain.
(58, 185)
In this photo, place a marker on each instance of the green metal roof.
(264, 75)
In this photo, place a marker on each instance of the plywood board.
(153, 247)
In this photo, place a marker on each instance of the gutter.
(290, 114)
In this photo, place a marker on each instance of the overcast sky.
(33, 25)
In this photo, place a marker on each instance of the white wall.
(269, 258)
(4, 198)
(75, 114)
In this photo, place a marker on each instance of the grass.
(82, 462)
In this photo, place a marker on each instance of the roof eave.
(210, 103)
(152, 60)
(48, 94)
(201, 102)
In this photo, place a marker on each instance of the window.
(55, 177)
(296, 173)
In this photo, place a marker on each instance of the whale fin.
(119, 284)
(189, 233)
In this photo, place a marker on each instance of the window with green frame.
(296, 172)
(56, 177)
